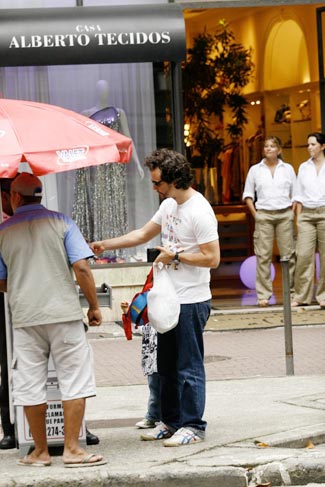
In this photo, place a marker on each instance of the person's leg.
(191, 374)
(191, 370)
(181, 369)
(149, 367)
(8, 428)
(263, 248)
(8, 441)
(320, 291)
(305, 264)
(154, 412)
(167, 359)
(285, 236)
(72, 357)
(171, 386)
(74, 411)
(36, 419)
(29, 375)
(91, 439)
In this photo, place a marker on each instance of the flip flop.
(86, 462)
(26, 462)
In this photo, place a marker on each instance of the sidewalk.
(236, 346)
(280, 414)
(263, 426)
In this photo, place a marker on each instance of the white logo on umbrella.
(97, 129)
(2, 133)
(67, 156)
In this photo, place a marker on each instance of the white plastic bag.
(162, 301)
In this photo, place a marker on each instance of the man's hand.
(165, 256)
(207, 256)
(124, 306)
(97, 247)
(94, 317)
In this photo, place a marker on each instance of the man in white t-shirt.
(189, 248)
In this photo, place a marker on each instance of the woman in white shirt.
(268, 194)
(310, 198)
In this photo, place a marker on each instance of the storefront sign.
(84, 35)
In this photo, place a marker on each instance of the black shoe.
(91, 439)
(7, 442)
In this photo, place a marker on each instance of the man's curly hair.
(174, 167)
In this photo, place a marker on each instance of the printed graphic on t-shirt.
(169, 233)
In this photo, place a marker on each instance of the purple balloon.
(247, 272)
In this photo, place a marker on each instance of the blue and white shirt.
(37, 250)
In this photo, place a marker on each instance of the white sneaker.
(160, 432)
(183, 436)
(145, 423)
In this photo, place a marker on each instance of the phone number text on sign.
(54, 421)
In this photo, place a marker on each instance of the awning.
(92, 35)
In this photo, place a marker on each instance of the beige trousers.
(311, 237)
(269, 225)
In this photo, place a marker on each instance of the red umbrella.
(52, 139)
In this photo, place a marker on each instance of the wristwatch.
(176, 260)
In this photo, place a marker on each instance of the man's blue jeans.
(180, 358)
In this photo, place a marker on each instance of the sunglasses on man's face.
(157, 183)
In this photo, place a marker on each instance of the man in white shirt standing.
(190, 247)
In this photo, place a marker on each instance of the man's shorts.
(71, 354)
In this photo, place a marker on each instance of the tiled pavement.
(241, 340)
(228, 354)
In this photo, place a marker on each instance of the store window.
(137, 94)
(284, 52)
(283, 99)
(130, 87)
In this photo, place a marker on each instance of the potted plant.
(214, 74)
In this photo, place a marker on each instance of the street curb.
(295, 438)
(270, 309)
(290, 472)
(189, 477)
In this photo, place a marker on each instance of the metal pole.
(177, 107)
(287, 315)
